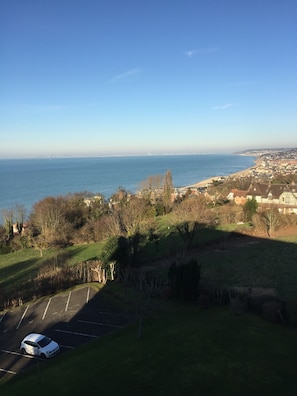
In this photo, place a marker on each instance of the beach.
(207, 182)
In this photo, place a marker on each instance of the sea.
(24, 182)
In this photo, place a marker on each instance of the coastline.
(242, 173)
(105, 175)
(207, 182)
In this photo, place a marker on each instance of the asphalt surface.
(71, 319)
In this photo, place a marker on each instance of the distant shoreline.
(27, 182)
(207, 182)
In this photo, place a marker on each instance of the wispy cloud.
(126, 75)
(204, 51)
(223, 107)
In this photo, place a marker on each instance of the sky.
(114, 77)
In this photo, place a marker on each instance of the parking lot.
(71, 319)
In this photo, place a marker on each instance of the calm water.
(26, 181)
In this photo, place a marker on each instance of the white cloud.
(191, 53)
(223, 107)
(126, 75)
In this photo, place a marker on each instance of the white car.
(39, 345)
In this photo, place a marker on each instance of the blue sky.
(114, 77)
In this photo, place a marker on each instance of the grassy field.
(183, 351)
(21, 266)
(225, 262)
(253, 263)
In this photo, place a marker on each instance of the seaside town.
(270, 164)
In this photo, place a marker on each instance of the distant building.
(281, 196)
(95, 198)
(238, 196)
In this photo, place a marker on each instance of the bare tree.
(112, 224)
(20, 213)
(189, 216)
(151, 187)
(271, 220)
(7, 215)
(48, 218)
(40, 243)
(258, 224)
(136, 215)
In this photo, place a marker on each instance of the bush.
(204, 301)
(237, 305)
(184, 280)
(291, 311)
(271, 311)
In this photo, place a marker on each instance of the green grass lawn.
(21, 266)
(183, 351)
(261, 263)
(268, 263)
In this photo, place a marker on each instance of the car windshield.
(44, 342)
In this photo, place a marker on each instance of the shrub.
(291, 310)
(237, 305)
(204, 301)
(184, 280)
(271, 311)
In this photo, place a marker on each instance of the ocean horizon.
(27, 181)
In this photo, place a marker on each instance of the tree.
(40, 243)
(150, 187)
(97, 208)
(134, 219)
(48, 219)
(7, 215)
(119, 198)
(184, 280)
(167, 191)
(136, 215)
(250, 208)
(190, 216)
(20, 213)
(271, 219)
(116, 250)
(4, 248)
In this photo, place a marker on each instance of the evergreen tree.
(250, 208)
(167, 191)
(184, 280)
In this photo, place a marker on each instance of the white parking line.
(46, 308)
(7, 371)
(66, 346)
(79, 334)
(115, 314)
(2, 317)
(18, 354)
(22, 317)
(68, 300)
(100, 324)
(88, 294)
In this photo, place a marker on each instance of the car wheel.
(23, 350)
(43, 356)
